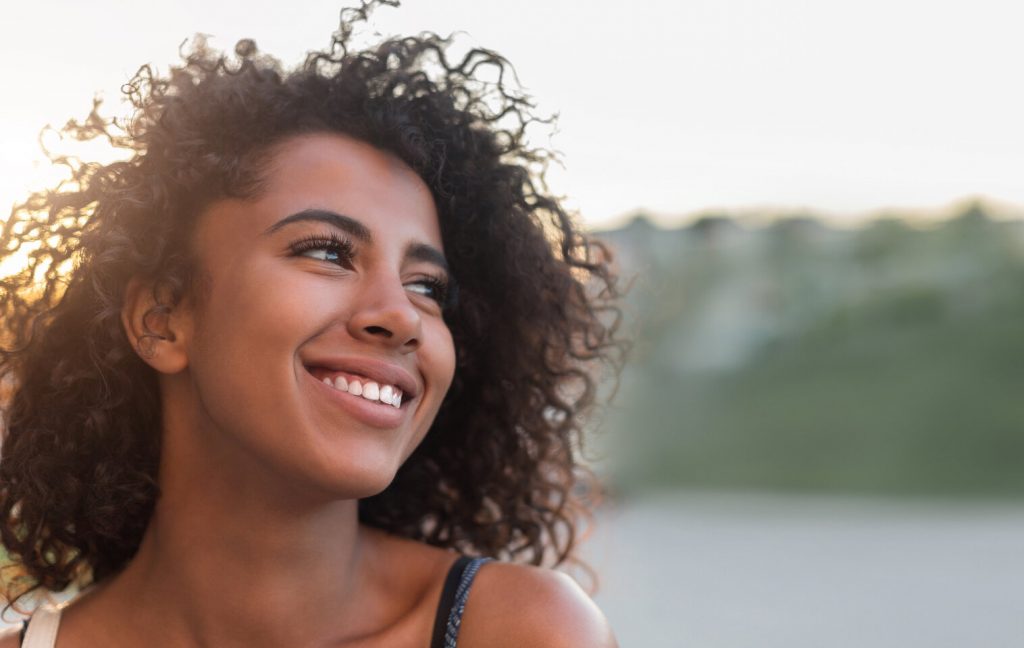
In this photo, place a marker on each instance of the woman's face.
(334, 271)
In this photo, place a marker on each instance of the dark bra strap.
(451, 583)
(453, 601)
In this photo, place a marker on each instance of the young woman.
(276, 377)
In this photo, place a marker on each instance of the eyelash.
(345, 251)
(330, 242)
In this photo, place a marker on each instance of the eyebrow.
(427, 254)
(344, 223)
(415, 251)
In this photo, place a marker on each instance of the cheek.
(245, 339)
(437, 361)
(442, 358)
(263, 302)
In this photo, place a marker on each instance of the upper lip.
(377, 370)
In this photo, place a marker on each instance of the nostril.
(379, 330)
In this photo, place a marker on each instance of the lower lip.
(372, 413)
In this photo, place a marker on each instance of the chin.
(369, 488)
(358, 481)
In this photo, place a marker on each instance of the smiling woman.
(291, 372)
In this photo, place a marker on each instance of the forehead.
(347, 176)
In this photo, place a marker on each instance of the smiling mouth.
(359, 386)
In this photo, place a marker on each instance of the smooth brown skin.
(255, 540)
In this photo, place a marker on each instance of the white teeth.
(371, 391)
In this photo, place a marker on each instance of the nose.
(383, 314)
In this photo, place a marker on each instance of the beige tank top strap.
(42, 629)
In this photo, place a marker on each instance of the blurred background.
(819, 207)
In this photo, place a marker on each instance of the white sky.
(673, 106)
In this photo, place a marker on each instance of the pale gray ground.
(744, 571)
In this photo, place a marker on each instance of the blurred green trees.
(886, 359)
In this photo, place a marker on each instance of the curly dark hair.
(499, 471)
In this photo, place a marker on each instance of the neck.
(234, 555)
(228, 576)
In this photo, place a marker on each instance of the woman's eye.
(323, 254)
(330, 249)
(433, 288)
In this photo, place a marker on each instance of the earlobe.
(155, 326)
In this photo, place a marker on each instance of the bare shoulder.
(519, 605)
(10, 637)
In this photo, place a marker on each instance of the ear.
(156, 326)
